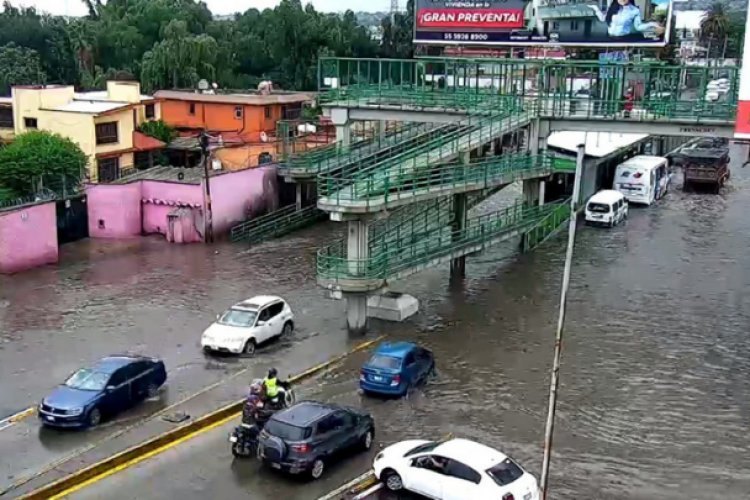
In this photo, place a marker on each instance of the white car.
(245, 325)
(457, 469)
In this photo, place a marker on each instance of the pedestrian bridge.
(666, 100)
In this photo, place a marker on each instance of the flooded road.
(655, 393)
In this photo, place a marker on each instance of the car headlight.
(75, 411)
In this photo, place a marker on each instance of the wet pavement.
(655, 389)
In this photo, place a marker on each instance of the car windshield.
(422, 448)
(599, 207)
(287, 432)
(386, 362)
(238, 317)
(505, 472)
(87, 380)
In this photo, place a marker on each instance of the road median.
(150, 447)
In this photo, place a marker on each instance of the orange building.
(236, 117)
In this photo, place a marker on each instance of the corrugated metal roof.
(90, 107)
(598, 144)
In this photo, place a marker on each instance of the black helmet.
(272, 373)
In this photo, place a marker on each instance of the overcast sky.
(76, 7)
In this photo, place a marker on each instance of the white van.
(607, 207)
(642, 179)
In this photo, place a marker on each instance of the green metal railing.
(414, 250)
(546, 227)
(275, 224)
(404, 180)
(561, 89)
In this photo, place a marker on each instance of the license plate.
(377, 378)
(597, 216)
(275, 466)
(232, 439)
(51, 419)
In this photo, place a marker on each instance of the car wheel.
(392, 480)
(95, 417)
(249, 348)
(288, 329)
(367, 440)
(317, 469)
(152, 391)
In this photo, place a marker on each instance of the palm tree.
(714, 25)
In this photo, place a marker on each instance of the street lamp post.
(205, 153)
(555, 377)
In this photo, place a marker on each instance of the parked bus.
(642, 179)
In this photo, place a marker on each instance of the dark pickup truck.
(704, 166)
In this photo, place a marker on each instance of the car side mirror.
(261, 322)
(218, 316)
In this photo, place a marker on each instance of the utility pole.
(555, 376)
(208, 216)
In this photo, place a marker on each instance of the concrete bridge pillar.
(542, 192)
(340, 118)
(458, 265)
(357, 253)
(380, 127)
(298, 196)
(531, 192)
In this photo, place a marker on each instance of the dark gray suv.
(305, 437)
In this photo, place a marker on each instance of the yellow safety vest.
(272, 389)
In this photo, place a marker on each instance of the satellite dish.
(263, 137)
(203, 85)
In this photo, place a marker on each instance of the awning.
(143, 142)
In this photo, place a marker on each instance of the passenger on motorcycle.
(275, 390)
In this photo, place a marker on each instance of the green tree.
(714, 26)
(180, 60)
(19, 66)
(39, 155)
(398, 34)
(158, 130)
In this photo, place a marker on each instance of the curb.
(229, 411)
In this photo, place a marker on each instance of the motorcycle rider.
(272, 389)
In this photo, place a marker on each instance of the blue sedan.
(110, 386)
(395, 367)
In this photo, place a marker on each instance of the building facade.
(104, 124)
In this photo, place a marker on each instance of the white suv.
(245, 325)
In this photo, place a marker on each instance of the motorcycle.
(255, 413)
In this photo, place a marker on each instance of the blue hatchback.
(108, 387)
(395, 367)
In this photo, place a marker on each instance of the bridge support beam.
(458, 265)
(531, 192)
(298, 196)
(344, 134)
(357, 253)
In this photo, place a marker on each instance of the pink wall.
(142, 207)
(114, 210)
(154, 215)
(28, 237)
(235, 195)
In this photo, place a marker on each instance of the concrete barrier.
(152, 446)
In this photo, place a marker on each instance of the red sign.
(458, 18)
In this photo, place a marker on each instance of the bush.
(36, 155)
(158, 130)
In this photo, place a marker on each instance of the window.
(286, 431)
(387, 362)
(238, 112)
(574, 25)
(422, 448)
(30, 122)
(342, 420)
(326, 425)
(267, 111)
(108, 169)
(106, 133)
(191, 108)
(6, 118)
(555, 25)
(238, 317)
(87, 380)
(601, 208)
(150, 111)
(409, 360)
(505, 472)
(118, 378)
(461, 471)
(275, 309)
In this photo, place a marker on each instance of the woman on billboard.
(623, 18)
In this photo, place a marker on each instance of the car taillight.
(637, 175)
(396, 380)
(509, 496)
(300, 448)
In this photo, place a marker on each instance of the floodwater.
(655, 386)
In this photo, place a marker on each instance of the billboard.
(593, 23)
(742, 120)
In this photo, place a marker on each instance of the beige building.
(6, 120)
(103, 123)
